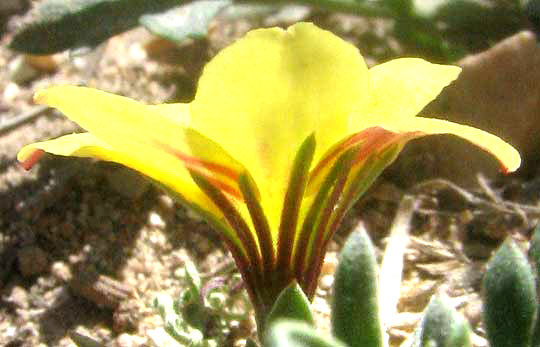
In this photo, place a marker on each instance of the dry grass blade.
(392, 264)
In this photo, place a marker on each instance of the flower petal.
(262, 96)
(155, 138)
(419, 126)
(89, 146)
(402, 87)
(178, 113)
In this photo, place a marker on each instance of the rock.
(12, 6)
(18, 297)
(43, 63)
(124, 340)
(497, 91)
(20, 71)
(32, 260)
(128, 183)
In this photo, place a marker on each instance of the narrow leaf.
(442, 326)
(534, 249)
(509, 298)
(57, 25)
(355, 312)
(392, 263)
(291, 303)
(83, 341)
(294, 334)
(186, 21)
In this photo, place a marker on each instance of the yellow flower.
(254, 152)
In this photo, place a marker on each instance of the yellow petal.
(89, 146)
(178, 113)
(401, 88)
(154, 137)
(419, 126)
(262, 96)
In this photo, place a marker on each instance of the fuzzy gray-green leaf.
(509, 298)
(295, 334)
(186, 21)
(291, 303)
(442, 326)
(355, 311)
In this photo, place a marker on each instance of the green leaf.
(83, 341)
(291, 303)
(294, 334)
(442, 326)
(251, 343)
(509, 298)
(534, 249)
(186, 21)
(355, 311)
(58, 25)
(534, 255)
(193, 277)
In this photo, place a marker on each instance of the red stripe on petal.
(195, 163)
(385, 140)
(365, 135)
(202, 167)
(224, 187)
(33, 159)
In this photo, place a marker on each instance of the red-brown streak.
(221, 185)
(195, 162)
(319, 245)
(33, 159)
(352, 140)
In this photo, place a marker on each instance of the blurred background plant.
(440, 30)
(510, 290)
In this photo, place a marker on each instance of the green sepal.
(292, 304)
(291, 205)
(287, 333)
(304, 247)
(258, 218)
(509, 298)
(355, 310)
(186, 21)
(442, 326)
(58, 25)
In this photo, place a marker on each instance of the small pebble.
(155, 220)
(18, 297)
(11, 92)
(20, 71)
(124, 340)
(330, 264)
(327, 281)
(42, 63)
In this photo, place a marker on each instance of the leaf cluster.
(510, 306)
